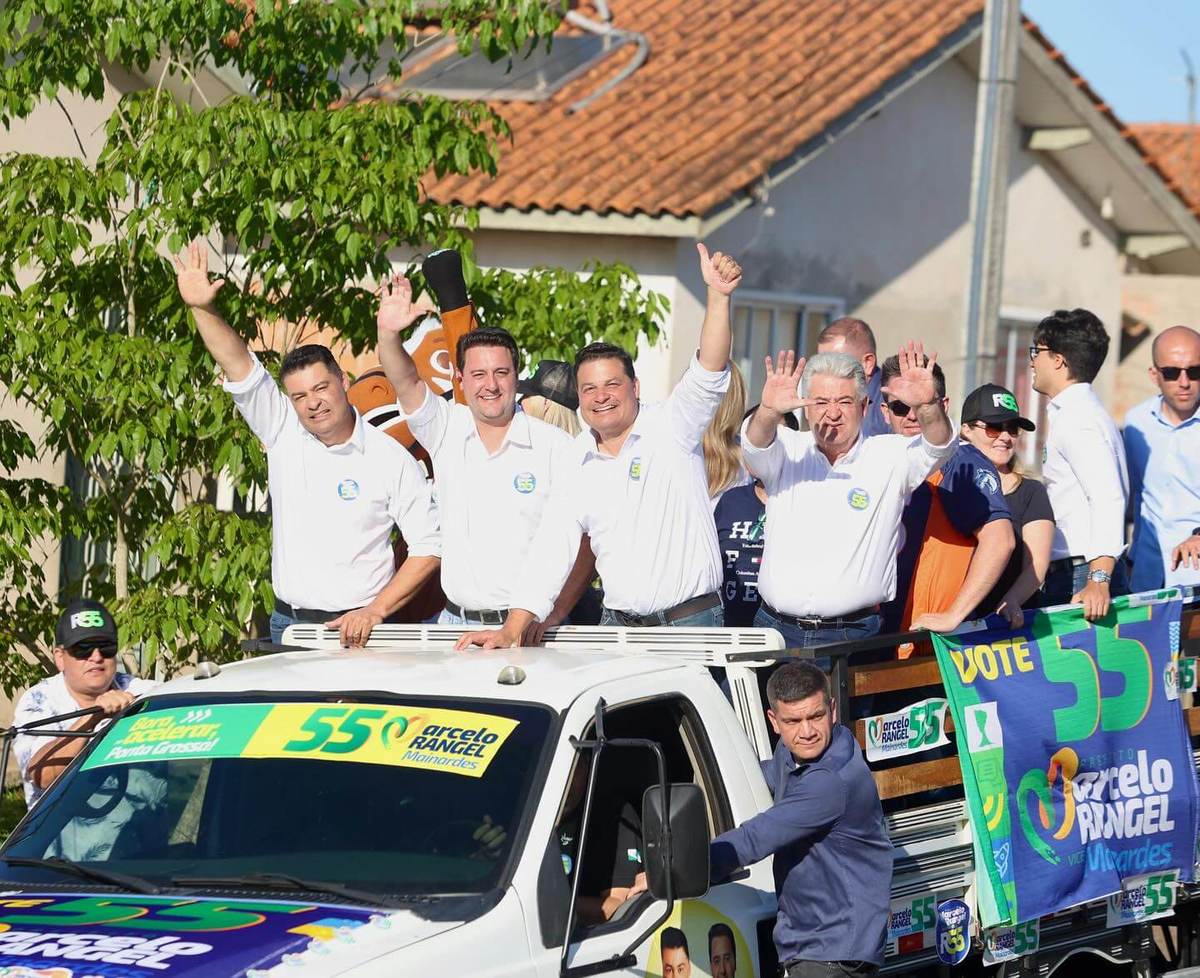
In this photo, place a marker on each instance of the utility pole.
(989, 186)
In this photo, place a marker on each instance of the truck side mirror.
(685, 863)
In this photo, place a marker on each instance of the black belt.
(309, 616)
(485, 616)
(684, 609)
(816, 621)
(1065, 563)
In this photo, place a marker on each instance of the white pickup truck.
(408, 809)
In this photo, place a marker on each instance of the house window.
(766, 322)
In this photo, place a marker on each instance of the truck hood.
(77, 935)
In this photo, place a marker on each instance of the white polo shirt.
(333, 508)
(646, 510)
(833, 531)
(1086, 476)
(490, 505)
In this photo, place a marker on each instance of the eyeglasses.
(1172, 373)
(898, 408)
(994, 430)
(1035, 350)
(82, 652)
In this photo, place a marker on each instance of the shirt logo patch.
(986, 482)
(347, 489)
(858, 498)
(524, 482)
(1005, 400)
(635, 469)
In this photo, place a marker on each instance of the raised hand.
(914, 385)
(720, 272)
(397, 311)
(781, 392)
(191, 275)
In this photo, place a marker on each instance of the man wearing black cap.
(85, 652)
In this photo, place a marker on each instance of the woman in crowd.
(991, 421)
(549, 395)
(722, 455)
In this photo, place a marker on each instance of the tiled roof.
(730, 88)
(1175, 148)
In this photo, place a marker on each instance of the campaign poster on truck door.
(1075, 757)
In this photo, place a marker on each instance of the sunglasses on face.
(1172, 373)
(994, 430)
(898, 408)
(83, 652)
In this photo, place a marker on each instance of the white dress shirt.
(51, 698)
(490, 505)
(833, 531)
(333, 507)
(646, 510)
(1085, 475)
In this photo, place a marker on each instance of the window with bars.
(765, 323)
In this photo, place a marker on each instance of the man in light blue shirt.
(1162, 445)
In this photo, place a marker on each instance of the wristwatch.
(1100, 577)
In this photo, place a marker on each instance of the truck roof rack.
(704, 646)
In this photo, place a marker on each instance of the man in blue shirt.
(833, 860)
(1162, 449)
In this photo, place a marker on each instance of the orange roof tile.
(729, 89)
(1175, 148)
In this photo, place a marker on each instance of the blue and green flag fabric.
(1076, 762)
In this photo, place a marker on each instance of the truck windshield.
(418, 797)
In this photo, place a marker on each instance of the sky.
(1128, 50)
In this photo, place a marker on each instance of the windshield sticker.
(454, 741)
(114, 936)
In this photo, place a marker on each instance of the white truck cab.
(407, 809)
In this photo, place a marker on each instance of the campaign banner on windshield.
(1075, 756)
(65, 935)
(453, 741)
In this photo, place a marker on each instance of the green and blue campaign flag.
(1076, 762)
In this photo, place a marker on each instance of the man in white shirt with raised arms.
(635, 484)
(338, 485)
(494, 465)
(835, 497)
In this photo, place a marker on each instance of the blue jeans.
(1064, 582)
(709, 618)
(279, 622)
(806, 638)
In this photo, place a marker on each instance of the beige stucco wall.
(1159, 301)
(881, 219)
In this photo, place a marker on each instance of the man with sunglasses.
(1162, 444)
(1084, 464)
(958, 532)
(85, 652)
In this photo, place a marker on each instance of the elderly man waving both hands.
(835, 497)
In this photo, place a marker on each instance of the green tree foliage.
(304, 186)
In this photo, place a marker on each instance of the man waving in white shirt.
(635, 483)
(1084, 468)
(338, 485)
(494, 465)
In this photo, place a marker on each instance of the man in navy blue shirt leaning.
(833, 860)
